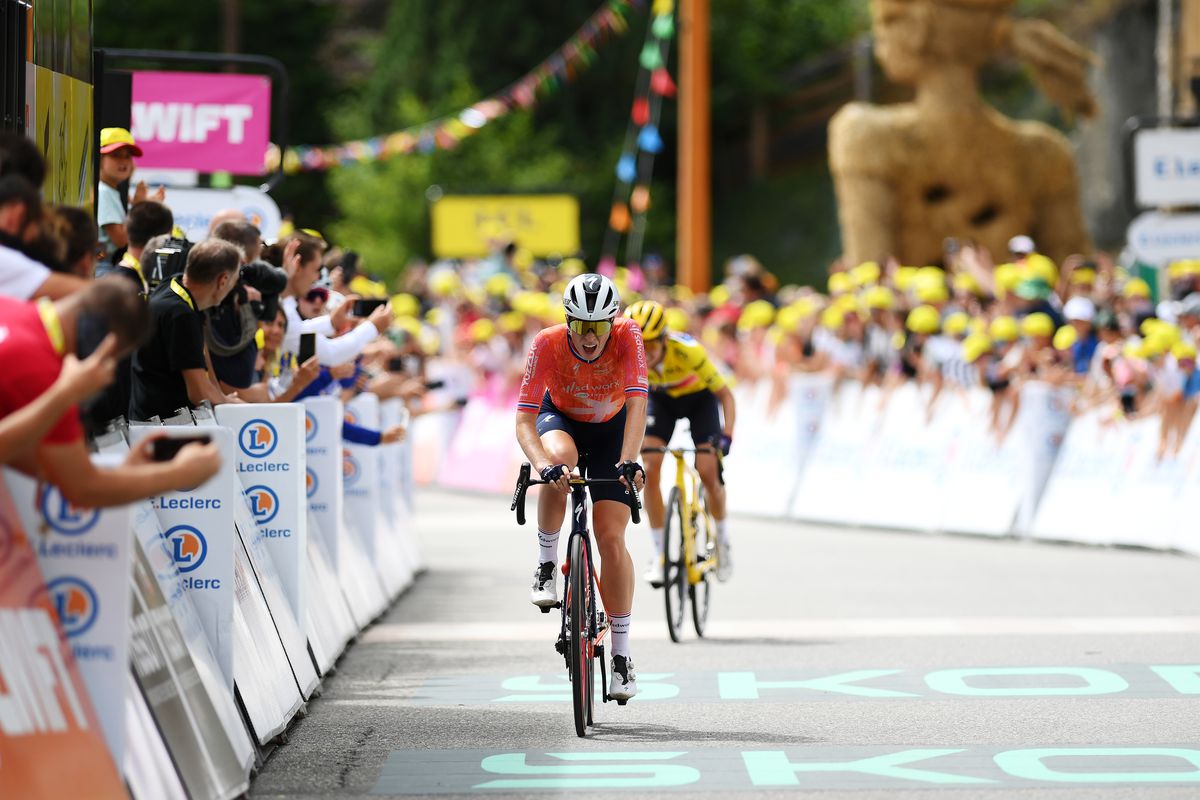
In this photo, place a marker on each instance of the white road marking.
(784, 630)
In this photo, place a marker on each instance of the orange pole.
(694, 235)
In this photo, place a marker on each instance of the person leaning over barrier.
(36, 347)
(170, 370)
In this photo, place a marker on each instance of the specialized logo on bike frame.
(63, 516)
(264, 503)
(76, 604)
(781, 768)
(258, 438)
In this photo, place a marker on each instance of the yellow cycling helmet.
(924, 319)
(650, 317)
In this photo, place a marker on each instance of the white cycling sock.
(722, 534)
(547, 546)
(619, 625)
(657, 535)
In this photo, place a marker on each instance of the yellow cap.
(757, 314)
(409, 325)
(957, 323)
(1184, 350)
(570, 267)
(931, 290)
(522, 259)
(677, 320)
(1005, 329)
(1136, 288)
(363, 286)
(1083, 277)
(965, 282)
(840, 283)
(979, 325)
(405, 305)
(499, 285)
(846, 303)
(806, 306)
(429, 341)
(511, 322)
(975, 346)
(434, 316)
(444, 283)
(866, 273)
(1007, 278)
(1065, 338)
(1038, 325)
(113, 139)
(1157, 344)
(833, 318)
(904, 278)
(924, 319)
(718, 295)
(878, 297)
(1039, 266)
(481, 330)
(788, 319)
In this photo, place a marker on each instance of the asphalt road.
(839, 663)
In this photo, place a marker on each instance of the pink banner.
(202, 121)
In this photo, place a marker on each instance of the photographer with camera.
(232, 325)
(144, 221)
(170, 370)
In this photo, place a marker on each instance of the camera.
(167, 261)
(269, 281)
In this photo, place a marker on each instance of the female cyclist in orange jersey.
(583, 404)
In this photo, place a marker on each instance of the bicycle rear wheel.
(675, 577)
(706, 548)
(579, 646)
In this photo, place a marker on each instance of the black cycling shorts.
(701, 409)
(598, 444)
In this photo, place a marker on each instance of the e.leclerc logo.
(76, 604)
(310, 482)
(188, 547)
(258, 438)
(264, 503)
(310, 426)
(62, 516)
(351, 471)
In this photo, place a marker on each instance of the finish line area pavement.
(839, 663)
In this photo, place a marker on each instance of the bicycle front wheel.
(580, 645)
(706, 550)
(675, 573)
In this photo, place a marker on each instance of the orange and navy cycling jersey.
(585, 391)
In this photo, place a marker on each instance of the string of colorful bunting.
(445, 133)
(631, 197)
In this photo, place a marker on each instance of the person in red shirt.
(35, 340)
(583, 404)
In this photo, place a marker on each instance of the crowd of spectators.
(117, 318)
(127, 320)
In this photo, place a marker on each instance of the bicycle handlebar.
(525, 480)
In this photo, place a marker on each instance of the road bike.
(689, 556)
(584, 626)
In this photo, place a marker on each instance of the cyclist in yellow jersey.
(684, 384)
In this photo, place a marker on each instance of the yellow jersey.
(685, 368)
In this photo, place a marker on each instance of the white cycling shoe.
(545, 590)
(724, 561)
(654, 572)
(622, 685)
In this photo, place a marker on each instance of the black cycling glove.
(554, 472)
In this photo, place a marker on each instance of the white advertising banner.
(980, 492)
(1167, 166)
(1159, 238)
(762, 468)
(323, 472)
(198, 529)
(1041, 426)
(396, 503)
(1081, 492)
(85, 559)
(272, 460)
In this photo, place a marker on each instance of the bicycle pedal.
(622, 702)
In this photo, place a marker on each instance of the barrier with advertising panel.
(395, 504)
(329, 623)
(148, 769)
(54, 715)
(271, 465)
(84, 556)
(365, 504)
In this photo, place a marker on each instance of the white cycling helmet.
(591, 297)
